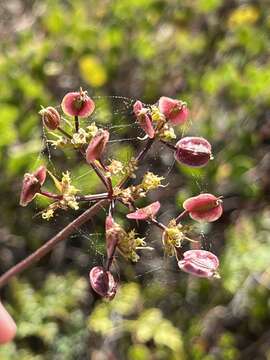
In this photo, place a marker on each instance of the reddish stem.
(180, 216)
(49, 245)
(94, 197)
(70, 228)
(51, 195)
(107, 184)
(158, 224)
(144, 151)
(99, 174)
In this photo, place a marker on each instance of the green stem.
(64, 132)
(51, 195)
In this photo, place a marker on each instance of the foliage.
(215, 55)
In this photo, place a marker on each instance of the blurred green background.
(214, 54)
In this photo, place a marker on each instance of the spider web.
(123, 131)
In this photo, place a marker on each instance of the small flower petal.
(7, 326)
(145, 213)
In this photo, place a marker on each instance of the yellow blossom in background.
(243, 15)
(92, 71)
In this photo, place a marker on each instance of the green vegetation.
(213, 54)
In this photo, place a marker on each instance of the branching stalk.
(180, 216)
(49, 245)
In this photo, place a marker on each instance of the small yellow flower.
(48, 214)
(115, 167)
(172, 237)
(92, 130)
(80, 138)
(60, 142)
(156, 114)
(68, 192)
(151, 181)
(131, 167)
(167, 133)
(129, 243)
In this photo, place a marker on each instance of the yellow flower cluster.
(130, 194)
(129, 243)
(115, 168)
(172, 237)
(68, 192)
(151, 181)
(82, 137)
(156, 115)
(166, 133)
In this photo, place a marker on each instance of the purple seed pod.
(78, 104)
(7, 326)
(97, 146)
(193, 151)
(31, 185)
(113, 231)
(50, 117)
(200, 263)
(143, 118)
(103, 282)
(204, 207)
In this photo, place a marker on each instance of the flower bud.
(97, 146)
(31, 185)
(103, 282)
(193, 151)
(145, 213)
(78, 104)
(204, 207)
(144, 119)
(7, 326)
(200, 263)
(175, 111)
(50, 117)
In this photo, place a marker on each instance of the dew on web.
(45, 151)
(153, 270)
(170, 168)
(204, 242)
(95, 244)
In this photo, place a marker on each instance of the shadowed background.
(213, 54)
